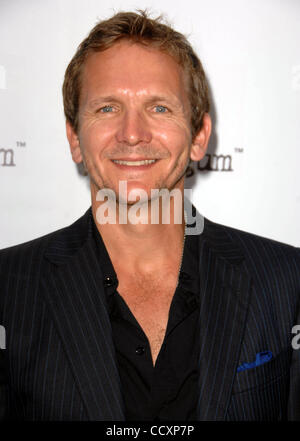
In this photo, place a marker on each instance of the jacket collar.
(68, 241)
(73, 287)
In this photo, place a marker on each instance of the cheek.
(94, 138)
(175, 138)
(170, 130)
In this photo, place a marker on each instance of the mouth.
(135, 163)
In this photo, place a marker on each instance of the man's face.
(133, 108)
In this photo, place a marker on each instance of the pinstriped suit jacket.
(59, 349)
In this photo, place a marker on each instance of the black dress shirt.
(168, 390)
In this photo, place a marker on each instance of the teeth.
(146, 162)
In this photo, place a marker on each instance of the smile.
(135, 163)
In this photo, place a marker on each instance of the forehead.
(135, 68)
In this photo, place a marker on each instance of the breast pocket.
(261, 393)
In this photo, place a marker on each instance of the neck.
(144, 246)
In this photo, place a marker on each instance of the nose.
(133, 129)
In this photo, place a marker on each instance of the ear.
(201, 139)
(74, 143)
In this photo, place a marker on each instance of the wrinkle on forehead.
(126, 91)
(131, 70)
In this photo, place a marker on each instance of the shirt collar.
(189, 270)
(110, 280)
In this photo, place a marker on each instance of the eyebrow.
(163, 98)
(151, 99)
(101, 100)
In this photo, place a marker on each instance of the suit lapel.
(73, 283)
(225, 288)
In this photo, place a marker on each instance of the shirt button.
(140, 350)
(108, 281)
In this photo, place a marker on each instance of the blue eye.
(161, 109)
(106, 109)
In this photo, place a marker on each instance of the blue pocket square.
(261, 358)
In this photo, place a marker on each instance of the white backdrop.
(251, 53)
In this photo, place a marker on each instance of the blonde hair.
(139, 28)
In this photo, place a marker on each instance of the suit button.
(108, 281)
(140, 350)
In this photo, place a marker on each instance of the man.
(138, 320)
